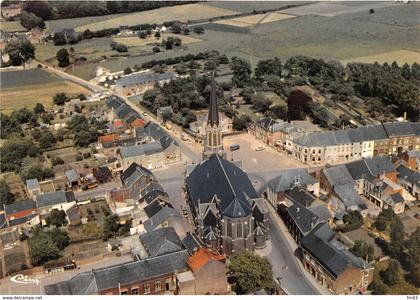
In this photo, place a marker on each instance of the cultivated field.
(15, 183)
(178, 12)
(136, 41)
(27, 87)
(255, 19)
(400, 56)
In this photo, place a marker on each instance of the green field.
(12, 26)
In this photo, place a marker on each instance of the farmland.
(344, 32)
(136, 41)
(12, 26)
(27, 87)
(179, 12)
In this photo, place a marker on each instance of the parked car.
(260, 148)
(234, 147)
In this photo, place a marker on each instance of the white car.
(260, 148)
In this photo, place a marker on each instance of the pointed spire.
(213, 117)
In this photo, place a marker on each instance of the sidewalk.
(293, 245)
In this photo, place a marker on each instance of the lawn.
(16, 185)
(402, 287)
(29, 95)
(136, 41)
(12, 26)
(400, 56)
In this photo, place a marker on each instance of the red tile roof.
(138, 123)
(108, 138)
(202, 258)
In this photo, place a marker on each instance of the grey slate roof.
(54, 198)
(397, 198)
(161, 241)
(72, 175)
(266, 123)
(133, 173)
(304, 219)
(22, 220)
(338, 175)
(159, 134)
(140, 150)
(114, 101)
(399, 129)
(160, 217)
(286, 179)
(322, 211)
(153, 208)
(300, 195)
(154, 190)
(357, 169)
(191, 243)
(408, 175)
(217, 176)
(98, 280)
(32, 184)
(142, 78)
(379, 165)
(3, 223)
(348, 195)
(19, 206)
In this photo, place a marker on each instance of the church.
(229, 215)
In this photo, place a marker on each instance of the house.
(138, 83)
(121, 110)
(161, 241)
(154, 276)
(166, 217)
(171, 148)
(332, 264)
(102, 174)
(60, 200)
(135, 180)
(412, 158)
(299, 221)
(208, 275)
(33, 188)
(150, 155)
(73, 178)
(287, 180)
(410, 180)
(192, 243)
(20, 212)
(225, 205)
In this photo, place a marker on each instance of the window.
(157, 285)
(146, 288)
(239, 230)
(135, 291)
(124, 292)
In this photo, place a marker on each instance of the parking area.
(262, 159)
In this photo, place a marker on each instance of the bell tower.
(214, 141)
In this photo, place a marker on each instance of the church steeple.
(213, 117)
(214, 142)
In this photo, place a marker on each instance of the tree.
(13, 150)
(127, 71)
(363, 250)
(176, 28)
(268, 67)
(20, 51)
(252, 272)
(87, 34)
(187, 30)
(279, 111)
(198, 30)
(143, 34)
(156, 49)
(241, 123)
(260, 103)
(378, 287)
(29, 20)
(59, 39)
(63, 58)
(392, 274)
(60, 98)
(168, 44)
(6, 197)
(380, 223)
(42, 248)
(47, 139)
(57, 218)
(42, 9)
(110, 226)
(60, 238)
(241, 72)
(39, 108)
(157, 35)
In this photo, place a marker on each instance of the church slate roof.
(304, 219)
(160, 217)
(217, 176)
(238, 208)
(191, 243)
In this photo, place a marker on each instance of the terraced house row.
(356, 143)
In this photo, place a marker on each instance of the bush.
(156, 49)
(198, 30)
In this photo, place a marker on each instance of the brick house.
(208, 275)
(150, 276)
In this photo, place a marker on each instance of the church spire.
(213, 117)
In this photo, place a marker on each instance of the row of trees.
(49, 10)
